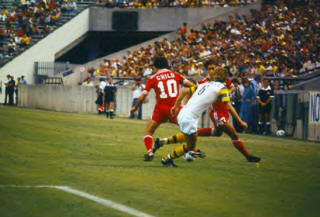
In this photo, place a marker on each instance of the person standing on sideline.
(100, 91)
(236, 102)
(136, 92)
(6, 92)
(264, 98)
(247, 99)
(11, 86)
(17, 88)
(166, 84)
(109, 98)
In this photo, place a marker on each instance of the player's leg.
(163, 114)
(232, 133)
(180, 137)
(177, 138)
(148, 140)
(208, 131)
(188, 126)
(191, 139)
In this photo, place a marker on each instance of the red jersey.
(166, 85)
(206, 79)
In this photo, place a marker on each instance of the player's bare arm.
(138, 103)
(231, 89)
(234, 114)
(188, 83)
(184, 92)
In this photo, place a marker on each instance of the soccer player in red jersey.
(219, 114)
(166, 85)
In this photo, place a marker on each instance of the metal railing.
(51, 69)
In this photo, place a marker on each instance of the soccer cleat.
(188, 157)
(148, 157)
(253, 159)
(168, 163)
(156, 145)
(197, 153)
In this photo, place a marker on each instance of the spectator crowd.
(277, 41)
(172, 3)
(21, 22)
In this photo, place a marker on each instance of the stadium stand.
(275, 42)
(24, 23)
(173, 3)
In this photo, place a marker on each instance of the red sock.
(148, 142)
(207, 131)
(239, 145)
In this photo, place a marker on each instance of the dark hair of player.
(161, 63)
(209, 62)
(235, 80)
(221, 72)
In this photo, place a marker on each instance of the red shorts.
(219, 118)
(161, 114)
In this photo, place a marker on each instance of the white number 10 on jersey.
(172, 88)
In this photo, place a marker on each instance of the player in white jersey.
(202, 96)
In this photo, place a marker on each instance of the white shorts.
(187, 122)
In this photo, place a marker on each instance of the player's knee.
(218, 132)
(234, 136)
(149, 131)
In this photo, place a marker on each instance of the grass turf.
(104, 157)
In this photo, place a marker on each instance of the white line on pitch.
(104, 202)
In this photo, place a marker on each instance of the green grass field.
(104, 158)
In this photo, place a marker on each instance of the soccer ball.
(188, 157)
(280, 133)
